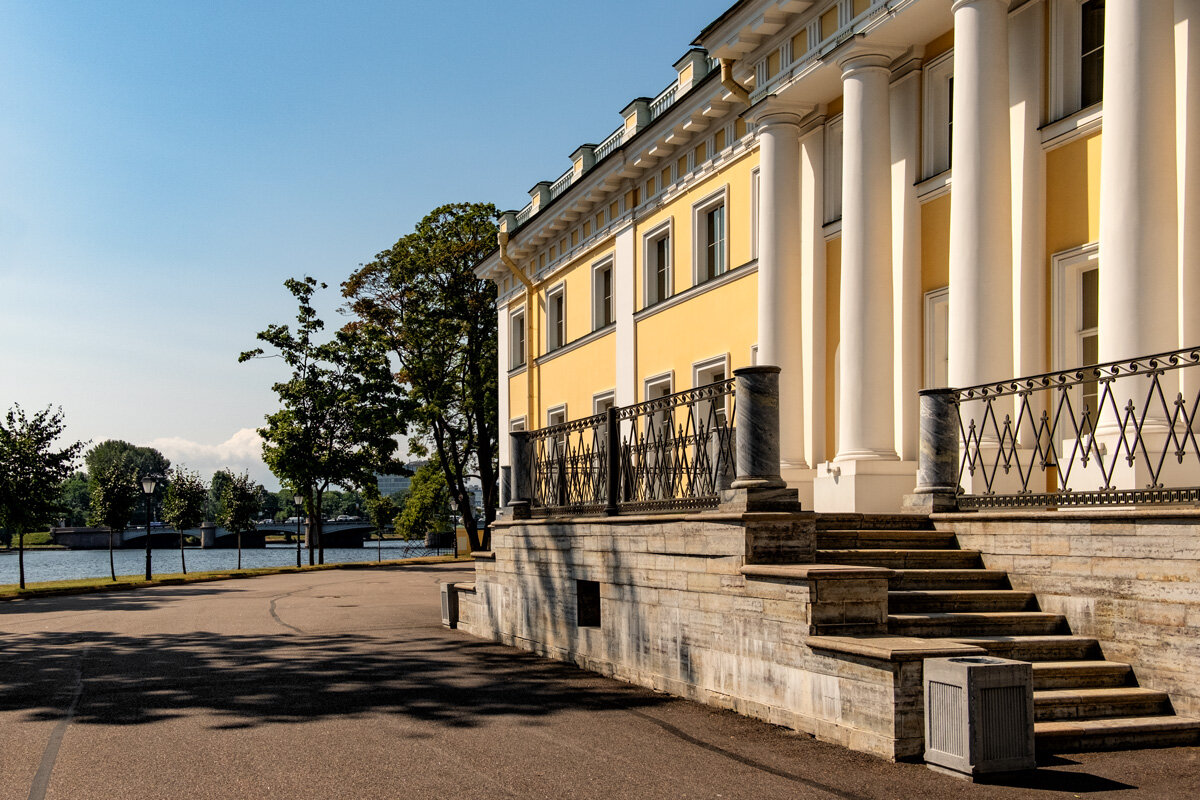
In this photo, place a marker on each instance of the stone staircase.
(1081, 701)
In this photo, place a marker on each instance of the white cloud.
(241, 451)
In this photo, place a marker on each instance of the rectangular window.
(516, 356)
(937, 338)
(1091, 53)
(556, 312)
(658, 265)
(602, 402)
(712, 242)
(718, 141)
(938, 115)
(664, 178)
(602, 295)
(755, 199)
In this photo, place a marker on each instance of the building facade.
(877, 197)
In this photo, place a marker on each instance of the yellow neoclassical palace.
(877, 196)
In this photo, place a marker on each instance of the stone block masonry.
(722, 607)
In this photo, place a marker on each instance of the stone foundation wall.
(702, 606)
(1130, 579)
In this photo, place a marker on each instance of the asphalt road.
(342, 684)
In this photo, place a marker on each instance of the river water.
(63, 565)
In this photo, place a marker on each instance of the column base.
(865, 487)
(801, 479)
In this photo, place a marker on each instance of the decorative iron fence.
(671, 453)
(1124, 432)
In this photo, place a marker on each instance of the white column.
(1187, 89)
(907, 341)
(624, 294)
(1138, 212)
(865, 422)
(503, 350)
(780, 284)
(980, 346)
(812, 267)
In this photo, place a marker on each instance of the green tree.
(382, 511)
(216, 490)
(427, 509)
(439, 320)
(239, 508)
(183, 507)
(32, 472)
(142, 460)
(115, 493)
(74, 499)
(340, 412)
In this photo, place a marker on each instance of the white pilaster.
(624, 295)
(1187, 89)
(980, 346)
(812, 268)
(908, 338)
(780, 281)
(1138, 203)
(503, 349)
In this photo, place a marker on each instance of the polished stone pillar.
(981, 332)
(780, 284)
(1138, 203)
(756, 421)
(865, 423)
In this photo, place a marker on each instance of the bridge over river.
(335, 534)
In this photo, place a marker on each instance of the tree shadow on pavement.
(247, 681)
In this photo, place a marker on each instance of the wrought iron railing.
(672, 453)
(1124, 432)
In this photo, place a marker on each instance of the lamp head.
(148, 483)
(298, 499)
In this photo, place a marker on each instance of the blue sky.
(165, 166)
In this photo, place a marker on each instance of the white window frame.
(935, 144)
(598, 293)
(553, 323)
(699, 378)
(513, 316)
(653, 382)
(602, 400)
(517, 424)
(1067, 302)
(699, 246)
(755, 200)
(558, 410)
(833, 169)
(937, 337)
(649, 240)
(1066, 69)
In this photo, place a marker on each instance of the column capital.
(772, 110)
(856, 54)
(957, 4)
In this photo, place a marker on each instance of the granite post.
(937, 458)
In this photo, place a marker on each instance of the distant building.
(391, 484)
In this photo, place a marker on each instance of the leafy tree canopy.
(239, 504)
(32, 471)
(427, 509)
(115, 494)
(187, 497)
(439, 320)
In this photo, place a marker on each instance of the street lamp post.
(148, 484)
(298, 501)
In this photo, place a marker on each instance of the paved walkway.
(341, 684)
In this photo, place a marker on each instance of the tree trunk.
(310, 535)
(112, 566)
(21, 555)
(182, 562)
(320, 529)
(239, 535)
(379, 546)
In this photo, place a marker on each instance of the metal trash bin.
(449, 605)
(978, 715)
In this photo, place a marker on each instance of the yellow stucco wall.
(677, 337)
(574, 377)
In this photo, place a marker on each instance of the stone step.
(919, 579)
(891, 522)
(1124, 701)
(957, 600)
(1007, 623)
(1080, 674)
(902, 558)
(886, 540)
(1115, 733)
(1052, 647)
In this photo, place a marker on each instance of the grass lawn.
(11, 591)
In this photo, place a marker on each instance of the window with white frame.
(517, 424)
(556, 317)
(711, 251)
(937, 338)
(602, 295)
(657, 387)
(938, 110)
(516, 339)
(603, 401)
(657, 258)
(709, 371)
(1077, 55)
(1076, 284)
(833, 169)
(556, 415)
(755, 201)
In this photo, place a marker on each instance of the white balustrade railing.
(663, 101)
(615, 140)
(563, 183)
